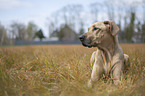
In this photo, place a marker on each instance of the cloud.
(9, 4)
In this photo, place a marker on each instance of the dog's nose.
(82, 37)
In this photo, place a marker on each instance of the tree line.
(128, 16)
(19, 31)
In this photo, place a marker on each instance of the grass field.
(64, 70)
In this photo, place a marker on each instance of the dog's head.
(99, 32)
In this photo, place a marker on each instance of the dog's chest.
(106, 62)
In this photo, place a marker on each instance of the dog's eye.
(96, 28)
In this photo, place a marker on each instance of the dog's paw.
(90, 84)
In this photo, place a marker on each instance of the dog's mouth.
(87, 42)
(89, 45)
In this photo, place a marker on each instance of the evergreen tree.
(130, 28)
(143, 32)
(39, 34)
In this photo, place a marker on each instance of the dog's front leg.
(118, 72)
(97, 70)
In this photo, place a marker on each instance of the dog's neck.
(109, 48)
(109, 45)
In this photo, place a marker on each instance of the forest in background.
(128, 16)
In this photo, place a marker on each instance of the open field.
(64, 70)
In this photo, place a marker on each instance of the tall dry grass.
(64, 70)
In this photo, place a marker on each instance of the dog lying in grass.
(108, 59)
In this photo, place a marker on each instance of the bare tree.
(94, 9)
(19, 30)
(81, 31)
(51, 29)
(68, 15)
(110, 9)
(31, 30)
(71, 14)
(143, 3)
(4, 39)
(2, 34)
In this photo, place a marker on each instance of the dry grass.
(64, 70)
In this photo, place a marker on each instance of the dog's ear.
(112, 27)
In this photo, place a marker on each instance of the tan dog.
(109, 58)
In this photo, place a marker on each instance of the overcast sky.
(35, 10)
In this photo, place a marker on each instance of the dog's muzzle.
(86, 43)
(82, 38)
